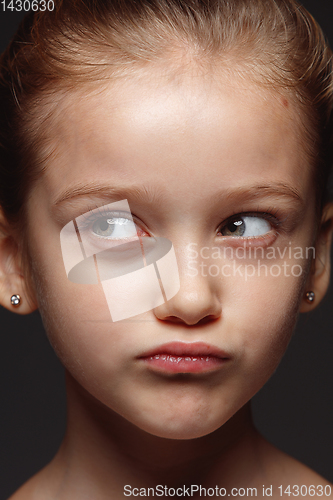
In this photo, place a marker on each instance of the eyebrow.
(152, 195)
(109, 193)
(279, 189)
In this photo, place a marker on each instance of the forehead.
(176, 132)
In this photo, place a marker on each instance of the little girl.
(163, 203)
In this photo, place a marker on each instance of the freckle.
(285, 102)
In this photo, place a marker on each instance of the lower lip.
(184, 364)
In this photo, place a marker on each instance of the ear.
(12, 280)
(319, 276)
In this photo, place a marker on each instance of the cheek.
(76, 317)
(267, 313)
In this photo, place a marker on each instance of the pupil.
(103, 225)
(234, 226)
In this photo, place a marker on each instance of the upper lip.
(199, 349)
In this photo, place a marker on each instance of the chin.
(179, 416)
(179, 428)
(179, 433)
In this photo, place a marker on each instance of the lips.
(183, 357)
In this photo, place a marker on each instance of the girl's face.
(214, 165)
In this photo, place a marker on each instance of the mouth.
(185, 357)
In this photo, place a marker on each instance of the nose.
(197, 302)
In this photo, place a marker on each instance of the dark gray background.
(294, 410)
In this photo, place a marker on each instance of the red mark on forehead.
(285, 102)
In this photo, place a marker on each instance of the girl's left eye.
(115, 228)
(246, 227)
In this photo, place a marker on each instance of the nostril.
(173, 319)
(207, 319)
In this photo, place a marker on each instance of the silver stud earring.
(310, 296)
(15, 300)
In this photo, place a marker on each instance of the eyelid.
(90, 217)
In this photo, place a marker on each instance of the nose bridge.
(199, 296)
(195, 265)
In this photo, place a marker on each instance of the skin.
(198, 150)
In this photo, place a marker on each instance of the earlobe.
(319, 276)
(12, 280)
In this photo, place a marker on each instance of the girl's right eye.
(114, 228)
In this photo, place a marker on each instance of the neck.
(102, 448)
